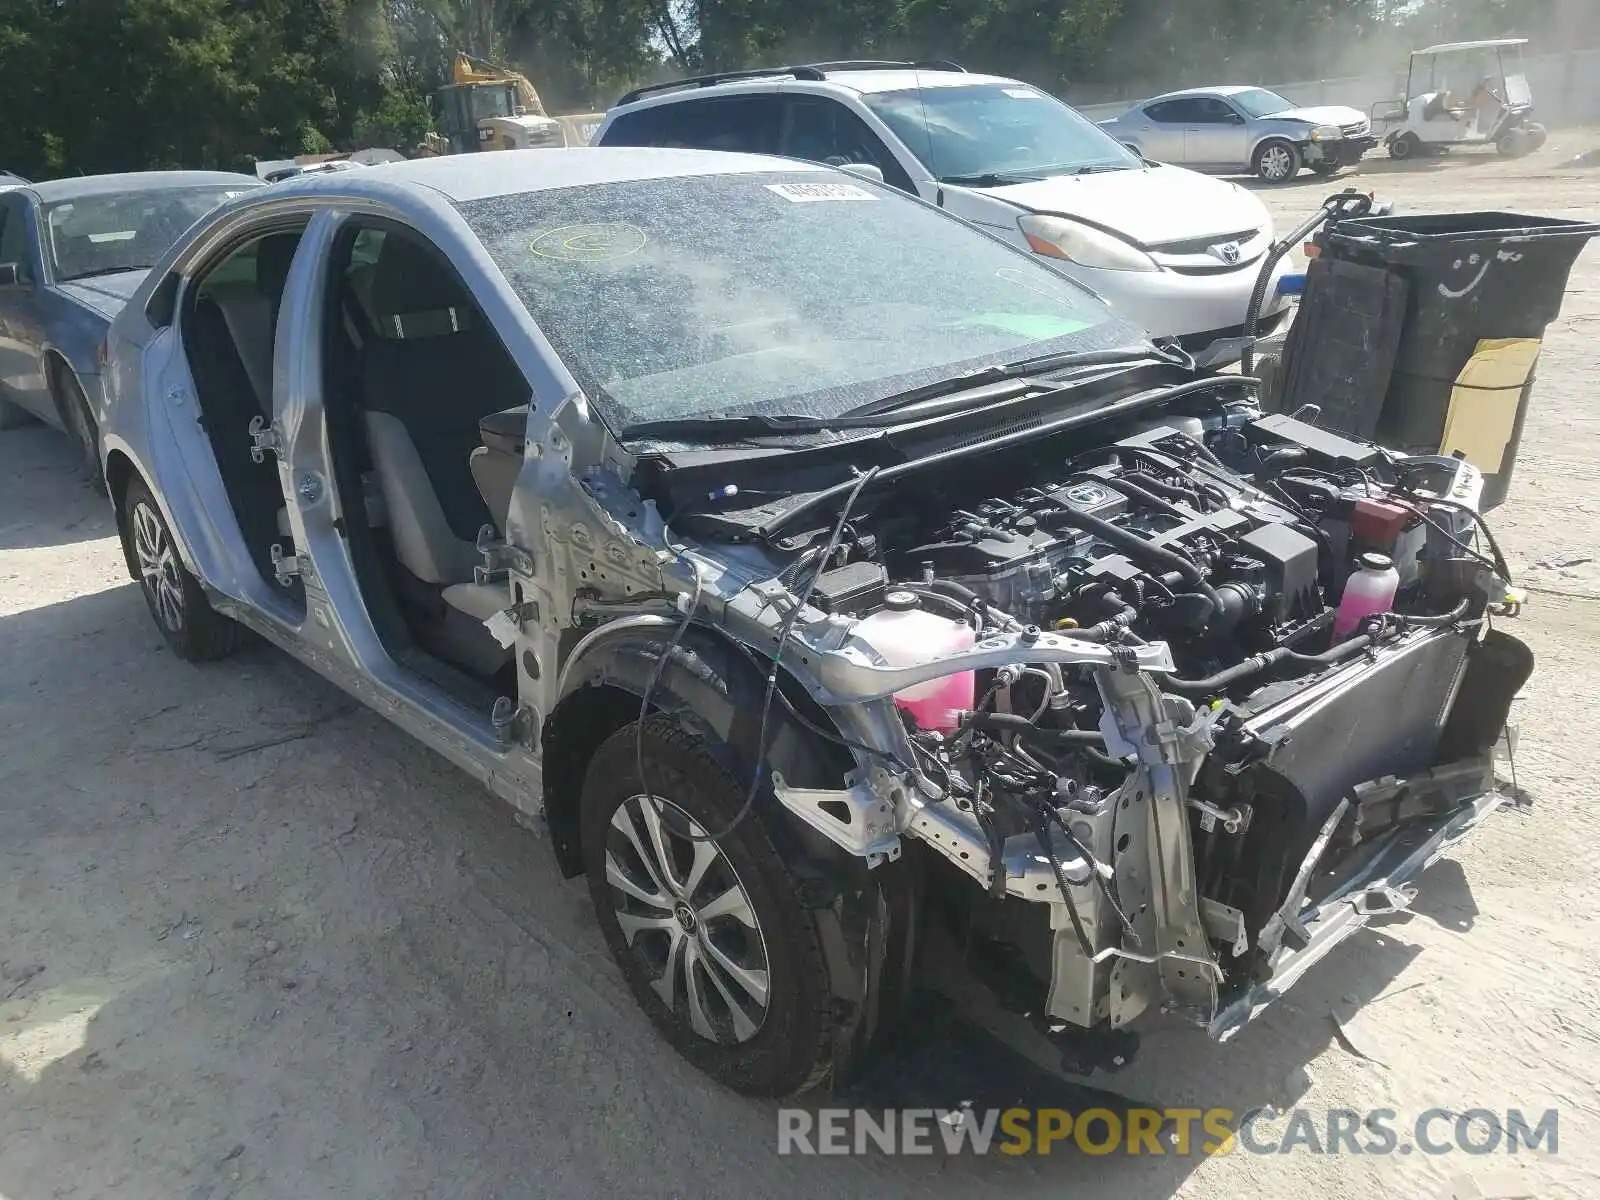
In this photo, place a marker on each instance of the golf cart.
(1462, 94)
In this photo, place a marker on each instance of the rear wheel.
(192, 628)
(1277, 161)
(1514, 143)
(711, 936)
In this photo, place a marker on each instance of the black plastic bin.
(1457, 278)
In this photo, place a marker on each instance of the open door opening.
(413, 369)
(229, 324)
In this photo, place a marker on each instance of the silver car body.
(51, 328)
(1210, 129)
(586, 574)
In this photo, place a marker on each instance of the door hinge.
(264, 437)
(511, 722)
(289, 567)
(500, 558)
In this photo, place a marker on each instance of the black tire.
(194, 630)
(788, 1050)
(1407, 145)
(81, 426)
(1326, 168)
(1276, 161)
(1514, 143)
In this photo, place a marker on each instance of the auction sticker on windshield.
(802, 193)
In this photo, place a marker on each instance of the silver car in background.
(1237, 128)
(71, 253)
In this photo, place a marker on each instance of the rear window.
(773, 292)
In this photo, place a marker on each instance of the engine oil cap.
(900, 601)
(1376, 562)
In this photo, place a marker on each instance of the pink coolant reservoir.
(1370, 589)
(907, 636)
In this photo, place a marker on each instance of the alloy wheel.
(683, 909)
(158, 566)
(1276, 162)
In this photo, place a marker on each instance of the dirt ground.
(256, 943)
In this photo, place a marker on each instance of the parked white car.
(1239, 128)
(1176, 252)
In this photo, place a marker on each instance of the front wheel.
(81, 427)
(191, 627)
(1407, 145)
(1277, 162)
(711, 936)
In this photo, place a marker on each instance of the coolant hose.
(1257, 663)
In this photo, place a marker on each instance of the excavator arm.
(467, 69)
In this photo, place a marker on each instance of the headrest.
(273, 258)
(408, 279)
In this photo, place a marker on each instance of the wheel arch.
(866, 918)
(120, 471)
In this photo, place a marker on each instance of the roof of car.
(1486, 44)
(82, 186)
(1216, 89)
(860, 78)
(465, 177)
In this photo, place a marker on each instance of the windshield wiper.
(731, 428)
(1097, 168)
(998, 372)
(990, 179)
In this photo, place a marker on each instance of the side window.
(1185, 111)
(747, 124)
(14, 247)
(825, 131)
(1166, 113)
(1215, 111)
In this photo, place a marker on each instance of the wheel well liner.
(710, 684)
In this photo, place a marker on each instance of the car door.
(820, 129)
(1216, 134)
(1158, 131)
(20, 373)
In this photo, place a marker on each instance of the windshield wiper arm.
(989, 179)
(997, 372)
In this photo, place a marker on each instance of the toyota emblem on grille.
(1228, 252)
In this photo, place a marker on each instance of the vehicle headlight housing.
(1326, 133)
(1070, 241)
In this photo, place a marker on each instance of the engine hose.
(1134, 492)
(1455, 614)
(1258, 294)
(1137, 547)
(1257, 663)
(1013, 723)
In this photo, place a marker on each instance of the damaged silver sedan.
(819, 570)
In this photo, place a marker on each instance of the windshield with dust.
(126, 231)
(1006, 130)
(1258, 102)
(802, 293)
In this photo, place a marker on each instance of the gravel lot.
(254, 942)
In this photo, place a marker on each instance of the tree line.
(111, 85)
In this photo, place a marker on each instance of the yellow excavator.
(489, 107)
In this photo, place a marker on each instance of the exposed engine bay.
(1184, 699)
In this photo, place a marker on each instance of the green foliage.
(109, 85)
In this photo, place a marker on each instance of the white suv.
(1176, 251)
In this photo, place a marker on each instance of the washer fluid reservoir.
(907, 636)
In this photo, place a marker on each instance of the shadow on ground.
(47, 499)
(256, 942)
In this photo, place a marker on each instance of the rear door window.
(745, 124)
